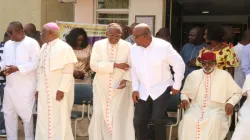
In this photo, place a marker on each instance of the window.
(108, 11)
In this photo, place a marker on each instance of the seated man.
(213, 94)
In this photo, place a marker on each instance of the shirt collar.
(53, 41)
(151, 44)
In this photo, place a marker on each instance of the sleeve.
(175, 60)
(67, 78)
(199, 57)
(184, 97)
(34, 59)
(231, 59)
(235, 89)
(245, 61)
(134, 77)
(182, 54)
(127, 75)
(97, 64)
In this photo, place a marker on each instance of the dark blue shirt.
(189, 52)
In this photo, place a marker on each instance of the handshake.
(122, 66)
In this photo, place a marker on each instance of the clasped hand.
(122, 66)
(10, 69)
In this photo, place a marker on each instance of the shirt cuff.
(184, 97)
(176, 86)
(135, 88)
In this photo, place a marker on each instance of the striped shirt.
(1, 55)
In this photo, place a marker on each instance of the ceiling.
(215, 7)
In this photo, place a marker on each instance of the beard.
(208, 70)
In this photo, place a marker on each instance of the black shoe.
(2, 133)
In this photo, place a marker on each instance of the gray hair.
(112, 26)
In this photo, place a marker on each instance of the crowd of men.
(135, 80)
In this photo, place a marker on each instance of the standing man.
(229, 35)
(2, 85)
(239, 77)
(241, 132)
(191, 50)
(19, 65)
(213, 94)
(164, 34)
(130, 37)
(113, 107)
(152, 81)
(30, 30)
(55, 87)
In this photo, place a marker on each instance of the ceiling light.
(205, 12)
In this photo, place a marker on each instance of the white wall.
(225, 18)
(147, 7)
(84, 11)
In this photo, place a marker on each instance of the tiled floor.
(21, 134)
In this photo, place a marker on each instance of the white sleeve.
(98, 65)
(34, 57)
(175, 60)
(134, 77)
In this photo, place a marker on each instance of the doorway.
(186, 14)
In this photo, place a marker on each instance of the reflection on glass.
(110, 18)
(108, 21)
(113, 4)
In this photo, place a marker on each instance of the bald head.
(142, 28)
(245, 38)
(229, 33)
(196, 36)
(30, 29)
(142, 35)
(164, 34)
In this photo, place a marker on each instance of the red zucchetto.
(208, 56)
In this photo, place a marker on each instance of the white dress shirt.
(150, 68)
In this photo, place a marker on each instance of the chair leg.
(75, 128)
(170, 132)
(236, 118)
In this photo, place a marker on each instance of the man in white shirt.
(238, 74)
(152, 80)
(19, 63)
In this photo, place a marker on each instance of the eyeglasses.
(137, 36)
(12, 32)
(115, 35)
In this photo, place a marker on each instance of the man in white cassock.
(19, 65)
(55, 87)
(242, 129)
(213, 94)
(113, 107)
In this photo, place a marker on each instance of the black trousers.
(2, 123)
(151, 110)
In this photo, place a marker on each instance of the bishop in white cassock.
(19, 64)
(113, 106)
(55, 87)
(213, 93)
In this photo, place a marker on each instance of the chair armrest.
(236, 108)
(84, 102)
